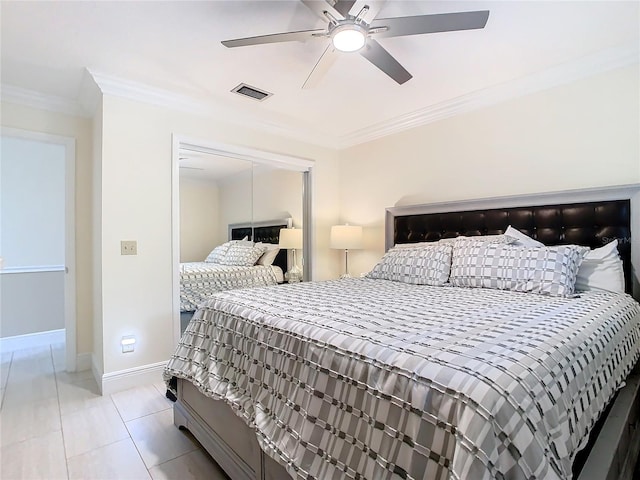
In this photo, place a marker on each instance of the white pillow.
(522, 239)
(601, 269)
(269, 255)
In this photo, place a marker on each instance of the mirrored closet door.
(220, 191)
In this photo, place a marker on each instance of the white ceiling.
(175, 46)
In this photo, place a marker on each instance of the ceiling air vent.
(252, 92)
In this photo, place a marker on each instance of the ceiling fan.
(350, 31)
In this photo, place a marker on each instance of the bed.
(374, 378)
(199, 280)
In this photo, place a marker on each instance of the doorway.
(37, 243)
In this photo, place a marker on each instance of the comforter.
(363, 378)
(199, 280)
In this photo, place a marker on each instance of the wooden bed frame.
(613, 450)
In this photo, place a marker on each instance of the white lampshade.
(290, 238)
(346, 237)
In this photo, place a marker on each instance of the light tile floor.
(55, 425)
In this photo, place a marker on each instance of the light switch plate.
(128, 247)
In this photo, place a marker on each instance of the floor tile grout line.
(98, 448)
(135, 445)
(179, 456)
(4, 390)
(64, 445)
(141, 416)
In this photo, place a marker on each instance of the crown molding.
(31, 98)
(600, 62)
(139, 92)
(89, 94)
(119, 87)
(96, 83)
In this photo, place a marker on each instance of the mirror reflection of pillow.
(601, 269)
(219, 253)
(269, 255)
(242, 254)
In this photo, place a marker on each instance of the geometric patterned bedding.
(199, 280)
(367, 378)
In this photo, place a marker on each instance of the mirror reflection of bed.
(224, 198)
(251, 257)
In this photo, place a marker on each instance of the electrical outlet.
(128, 247)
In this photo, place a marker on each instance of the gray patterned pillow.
(218, 253)
(423, 265)
(544, 270)
(243, 254)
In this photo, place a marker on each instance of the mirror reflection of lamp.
(291, 239)
(346, 237)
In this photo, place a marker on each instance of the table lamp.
(346, 237)
(291, 239)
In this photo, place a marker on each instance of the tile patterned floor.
(55, 425)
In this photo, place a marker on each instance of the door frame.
(69, 144)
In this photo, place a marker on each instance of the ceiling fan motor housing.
(348, 36)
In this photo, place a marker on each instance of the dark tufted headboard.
(590, 223)
(266, 232)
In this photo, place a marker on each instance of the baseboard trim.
(31, 340)
(132, 377)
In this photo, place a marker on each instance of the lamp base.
(345, 275)
(294, 275)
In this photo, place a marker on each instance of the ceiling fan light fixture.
(349, 37)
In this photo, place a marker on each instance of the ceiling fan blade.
(440, 22)
(321, 67)
(274, 38)
(344, 6)
(382, 59)
(319, 7)
(374, 8)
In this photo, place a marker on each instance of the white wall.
(584, 134)
(27, 118)
(199, 218)
(33, 203)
